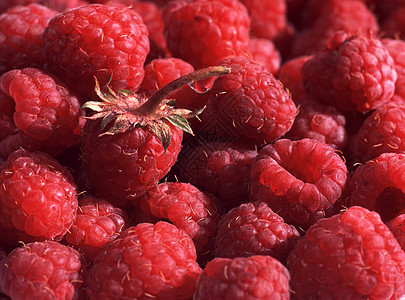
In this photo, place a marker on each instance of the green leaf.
(180, 122)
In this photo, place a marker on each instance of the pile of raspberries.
(202, 149)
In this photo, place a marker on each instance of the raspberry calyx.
(122, 110)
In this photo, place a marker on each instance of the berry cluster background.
(202, 149)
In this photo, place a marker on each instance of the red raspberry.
(250, 103)
(97, 223)
(299, 180)
(21, 28)
(254, 229)
(323, 123)
(291, 77)
(351, 255)
(397, 227)
(379, 184)
(46, 112)
(42, 270)
(38, 198)
(186, 207)
(58, 5)
(129, 142)
(206, 35)
(351, 16)
(381, 132)
(255, 277)
(264, 51)
(396, 49)
(220, 168)
(97, 40)
(148, 261)
(352, 72)
(268, 18)
(162, 71)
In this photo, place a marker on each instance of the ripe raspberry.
(264, 51)
(255, 277)
(299, 180)
(21, 28)
(220, 168)
(268, 18)
(148, 261)
(351, 255)
(46, 112)
(352, 72)
(291, 77)
(186, 207)
(397, 227)
(351, 16)
(37, 199)
(160, 72)
(131, 142)
(379, 185)
(58, 5)
(97, 223)
(396, 49)
(250, 102)
(206, 35)
(323, 123)
(254, 229)
(42, 270)
(381, 132)
(97, 40)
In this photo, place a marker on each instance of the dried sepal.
(162, 132)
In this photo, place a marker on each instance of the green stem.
(153, 103)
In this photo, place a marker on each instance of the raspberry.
(206, 35)
(42, 270)
(250, 102)
(97, 40)
(254, 229)
(396, 49)
(97, 223)
(291, 77)
(46, 111)
(397, 227)
(320, 122)
(379, 184)
(186, 207)
(160, 72)
(7, 108)
(351, 255)
(352, 72)
(268, 18)
(299, 180)
(351, 16)
(146, 261)
(264, 51)
(58, 5)
(21, 28)
(381, 132)
(255, 277)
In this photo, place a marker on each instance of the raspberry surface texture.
(354, 72)
(250, 103)
(254, 229)
(37, 198)
(206, 35)
(21, 28)
(299, 180)
(97, 223)
(186, 207)
(109, 42)
(351, 255)
(42, 270)
(46, 112)
(148, 261)
(255, 277)
(379, 185)
(266, 53)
